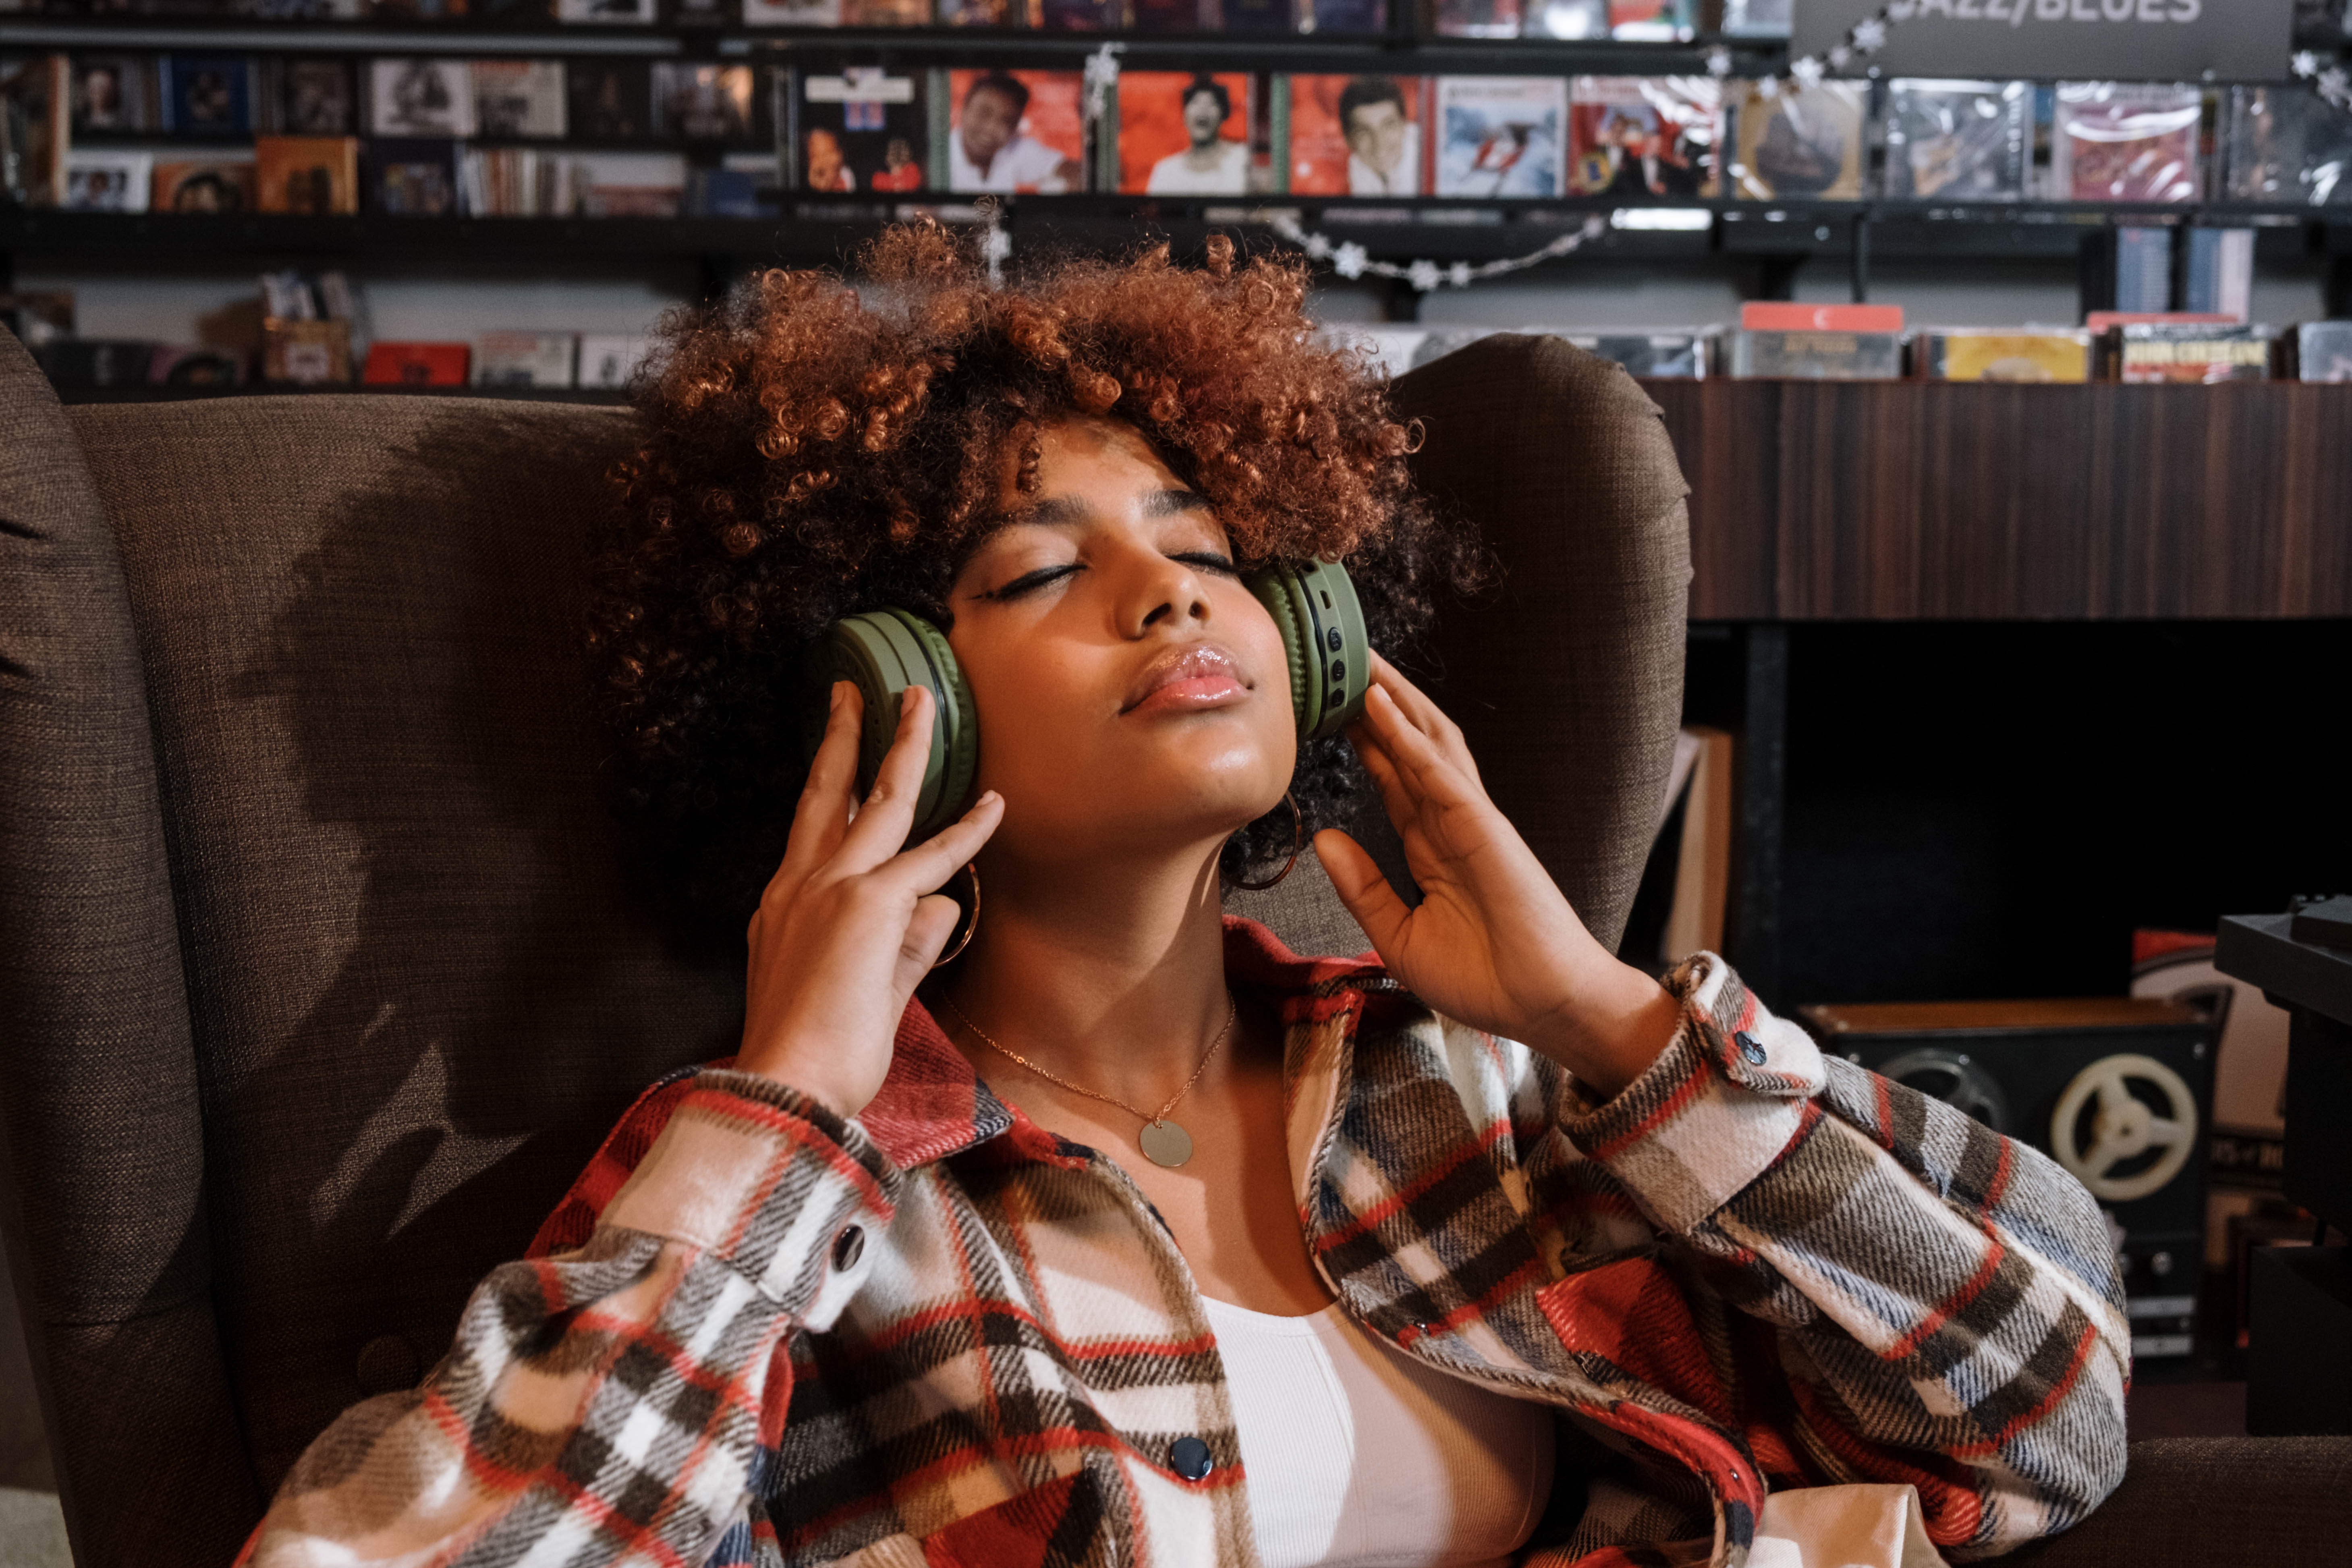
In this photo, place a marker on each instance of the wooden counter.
(1925, 501)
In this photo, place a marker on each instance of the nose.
(1161, 594)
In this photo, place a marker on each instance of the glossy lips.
(1198, 675)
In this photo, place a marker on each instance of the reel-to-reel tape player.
(2116, 1090)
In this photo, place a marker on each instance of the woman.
(1492, 1250)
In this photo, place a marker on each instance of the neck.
(1111, 973)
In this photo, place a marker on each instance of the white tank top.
(1360, 1456)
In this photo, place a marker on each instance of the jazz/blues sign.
(2123, 40)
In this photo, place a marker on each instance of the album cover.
(1186, 134)
(2119, 141)
(1502, 136)
(745, 184)
(1475, 18)
(534, 182)
(2287, 144)
(175, 366)
(97, 362)
(524, 359)
(1635, 136)
(412, 178)
(1815, 356)
(35, 101)
(863, 130)
(608, 361)
(303, 10)
(415, 364)
(416, 10)
(2193, 353)
(420, 97)
(1562, 19)
(982, 13)
(1799, 145)
(306, 354)
(886, 13)
(1757, 18)
(519, 98)
(1266, 18)
(315, 174)
(702, 102)
(210, 95)
(202, 186)
(1666, 356)
(1079, 15)
(1016, 131)
(1958, 141)
(792, 13)
(1653, 21)
(306, 97)
(2321, 351)
(630, 185)
(612, 101)
(1171, 15)
(609, 13)
(697, 13)
(1356, 135)
(1342, 17)
(106, 180)
(1967, 353)
(112, 92)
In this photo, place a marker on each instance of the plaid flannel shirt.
(754, 1334)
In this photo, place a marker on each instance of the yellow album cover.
(2010, 356)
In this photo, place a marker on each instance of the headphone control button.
(1332, 640)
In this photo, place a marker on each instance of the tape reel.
(1954, 1078)
(2124, 1127)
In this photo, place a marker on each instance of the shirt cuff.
(767, 1180)
(1732, 1092)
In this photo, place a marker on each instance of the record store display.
(2118, 1090)
(1958, 141)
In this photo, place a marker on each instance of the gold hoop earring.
(1298, 842)
(971, 925)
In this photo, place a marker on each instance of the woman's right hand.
(851, 924)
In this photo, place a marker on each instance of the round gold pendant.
(1165, 1143)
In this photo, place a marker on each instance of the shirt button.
(849, 1248)
(1749, 1047)
(1189, 1457)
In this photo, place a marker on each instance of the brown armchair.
(320, 972)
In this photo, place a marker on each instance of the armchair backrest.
(320, 973)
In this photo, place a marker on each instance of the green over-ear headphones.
(885, 651)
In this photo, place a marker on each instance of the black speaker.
(2118, 1089)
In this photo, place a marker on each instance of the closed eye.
(1044, 576)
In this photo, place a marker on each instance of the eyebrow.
(1060, 512)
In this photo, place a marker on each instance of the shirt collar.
(932, 1105)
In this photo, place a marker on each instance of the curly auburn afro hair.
(808, 454)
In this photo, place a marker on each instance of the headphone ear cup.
(1324, 639)
(1275, 590)
(882, 653)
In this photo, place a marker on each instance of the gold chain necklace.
(1163, 1142)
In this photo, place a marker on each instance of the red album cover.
(1784, 316)
(1016, 131)
(416, 365)
(1356, 135)
(1184, 133)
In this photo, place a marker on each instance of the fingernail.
(985, 797)
(906, 699)
(840, 690)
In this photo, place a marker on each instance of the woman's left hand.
(1494, 942)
